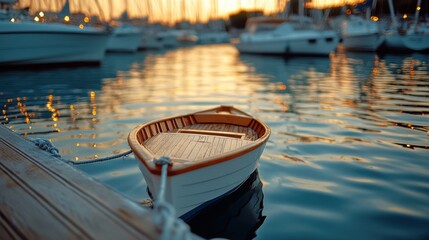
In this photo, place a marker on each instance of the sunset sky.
(168, 10)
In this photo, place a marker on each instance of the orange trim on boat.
(222, 114)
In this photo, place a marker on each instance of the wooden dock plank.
(43, 197)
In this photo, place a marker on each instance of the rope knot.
(47, 146)
(164, 160)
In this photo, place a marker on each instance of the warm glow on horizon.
(168, 11)
(331, 3)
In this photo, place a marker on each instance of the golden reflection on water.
(301, 183)
(348, 130)
(189, 74)
(333, 90)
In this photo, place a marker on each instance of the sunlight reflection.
(312, 185)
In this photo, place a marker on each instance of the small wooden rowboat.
(212, 152)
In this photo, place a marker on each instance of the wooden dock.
(42, 197)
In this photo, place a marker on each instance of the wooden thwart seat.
(215, 133)
(219, 128)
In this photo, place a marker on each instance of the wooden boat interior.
(200, 136)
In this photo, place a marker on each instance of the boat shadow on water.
(235, 216)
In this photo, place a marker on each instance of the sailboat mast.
(369, 10)
(416, 16)
(287, 9)
(392, 14)
(183, 10)
(301, 11)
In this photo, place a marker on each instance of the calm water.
(349, 151)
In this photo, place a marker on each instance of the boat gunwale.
(145, 156)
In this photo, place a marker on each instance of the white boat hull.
(363, 42)
(150, 42)
(306, 45)
(34, 43)
(124, 40)
(213, 38)
(186, 194)
(407, 42)
(212, 153)
(417, 42)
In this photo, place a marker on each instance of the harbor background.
(348, 155)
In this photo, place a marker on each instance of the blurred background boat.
(294, 35)
(360, 34)
(27, 42)
(358, 31)
(404, 36)
(124, 38)
(285, 37)
(150, 39)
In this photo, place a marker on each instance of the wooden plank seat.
(249, 133)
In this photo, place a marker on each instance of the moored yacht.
(265, 35)
(402, 37)
(27, 43)
(361, 34)
(125, 38)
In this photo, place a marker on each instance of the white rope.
(47, 146)
(164, 213)
(102, 159)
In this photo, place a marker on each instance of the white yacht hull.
(309, 44)
(213, 38)
(407, 42)
(150, 42)
(363, 42)
(169, 41)
(124, 40)
(29, 43)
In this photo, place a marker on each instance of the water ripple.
(348, 155)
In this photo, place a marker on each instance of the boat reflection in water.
(236, 216)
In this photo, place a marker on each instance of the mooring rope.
(47, 146)
(164, 213)
(102, 159)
